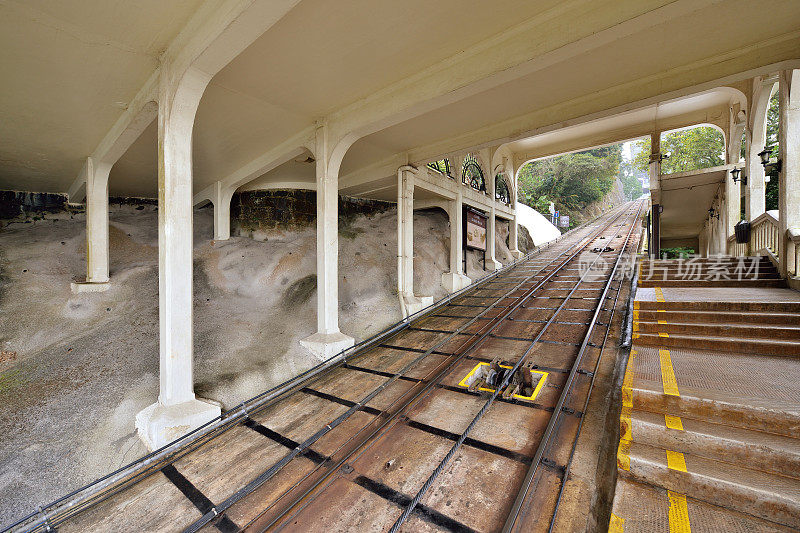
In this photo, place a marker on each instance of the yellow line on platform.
(659, 295)
(678, 513)
(668, 373)
(676, 461)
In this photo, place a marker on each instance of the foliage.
(690, 149)
(629, 177)
(773, 124)
(570, 181)
(677, 252)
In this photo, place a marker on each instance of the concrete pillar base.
(158, 425)
(326, 345)
(492, 265)
(414, 304)
(517, 255)
(453, 282)
(89, 286)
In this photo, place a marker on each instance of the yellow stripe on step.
(616, 524)
(624, 454)
(659, 295)
(668, 373)
(678, 513)
(676, 461)
(662, 334)
(662, 322)
(673, 422)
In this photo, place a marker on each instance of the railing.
(766, 239)
(793, 241)
(764, 233)
(736, 249)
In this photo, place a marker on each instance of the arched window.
(501, 190)
(472, 175)
(441, 166)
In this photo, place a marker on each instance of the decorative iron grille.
(441, 166)
(501, 191)
(472, 175)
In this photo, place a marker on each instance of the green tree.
(772, 142)
(692, 149)
(570, 181)
(629, 177)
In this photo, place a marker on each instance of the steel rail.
(548, 434)
(110, 484)
(443, 463)
(568, 466)
(578, 247)
(274, 469)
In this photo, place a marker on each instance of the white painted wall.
(539, 228)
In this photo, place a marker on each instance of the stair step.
(714, 260)
(752, 449)
(758, 414)
(645, 509)
(718, 317)
(744, 283)
(741, 331)
(769, 496)
(786, 348)
(753, 307)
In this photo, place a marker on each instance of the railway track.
(411, 432)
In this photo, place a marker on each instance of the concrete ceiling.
(76, 64)
(686, 198)
(69, 69)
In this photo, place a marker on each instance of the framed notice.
(474, 229)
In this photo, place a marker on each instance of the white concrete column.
(491, 227)
(222, 211)
(732, 205)
(702, 241)
(455, 280)
(409, 303)
(328, 340)
(177, 411)
(655, 192)
(491, 245)
(755, 139)
(97, 257)
(789, 187)
(513, 228)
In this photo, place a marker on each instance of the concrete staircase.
(710, 272)
(710, 423)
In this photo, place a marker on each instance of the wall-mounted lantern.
(769, 168)
(737, 177)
